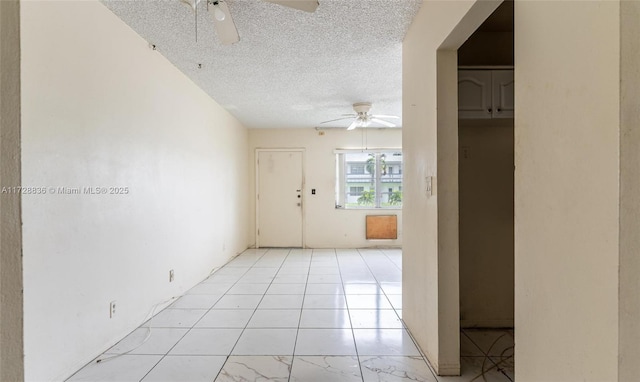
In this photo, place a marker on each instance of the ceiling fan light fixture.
(218, 13)
(224, 26)
(362, 118)
(362, 108)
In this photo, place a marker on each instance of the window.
(369, 178)
(356, 168)
(356, 191)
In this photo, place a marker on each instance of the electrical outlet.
(466, 152)
(171, 276)
(112, 309)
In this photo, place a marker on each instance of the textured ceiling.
(290, 68)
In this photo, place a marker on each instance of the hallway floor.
(325, 315)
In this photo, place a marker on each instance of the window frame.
(342, 189)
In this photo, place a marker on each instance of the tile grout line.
(379, 284)
(404, 327)
(150, 329)
(237, 281)
(486, 356)
(208, 310)
(346, 302)
(189, 329)
(392, 262)
(352, 268)
(304, 296)
(200, 319)
(254, 310)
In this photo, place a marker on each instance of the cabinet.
(485, 94)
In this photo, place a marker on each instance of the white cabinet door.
(503, 90)
(474, 94)
(485, 94)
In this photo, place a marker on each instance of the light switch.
(428, 185)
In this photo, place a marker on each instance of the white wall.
(568, 231)
(326, 226)
(486, 223)
(576, 306)
(11, 348)
(430, 142)
(567, 133)
(629, 307)
(100, 108)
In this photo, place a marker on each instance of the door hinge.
(258, 232)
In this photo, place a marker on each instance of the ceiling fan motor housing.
(362, 107)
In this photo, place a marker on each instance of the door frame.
(302, 192)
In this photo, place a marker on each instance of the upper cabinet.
(485, 94)
(502, 90)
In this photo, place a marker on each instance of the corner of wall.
(629, 283)
(11, 312)
(172, 162)
(430, 271)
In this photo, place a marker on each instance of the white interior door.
(279, 199)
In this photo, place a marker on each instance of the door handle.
(299, 196)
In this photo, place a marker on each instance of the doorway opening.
(486, 195)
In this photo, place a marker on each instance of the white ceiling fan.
(223, 22)
(362, 118)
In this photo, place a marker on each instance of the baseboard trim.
(448, 369)
(452, 369)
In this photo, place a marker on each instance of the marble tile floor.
(326, 315)
(485, 355)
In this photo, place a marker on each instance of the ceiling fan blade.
(226, 28)
(303, 5)
(191, 3)
(353, 125)
(338, 119)
(385, 116)
(380, 121)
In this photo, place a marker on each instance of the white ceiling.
(290, 68)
